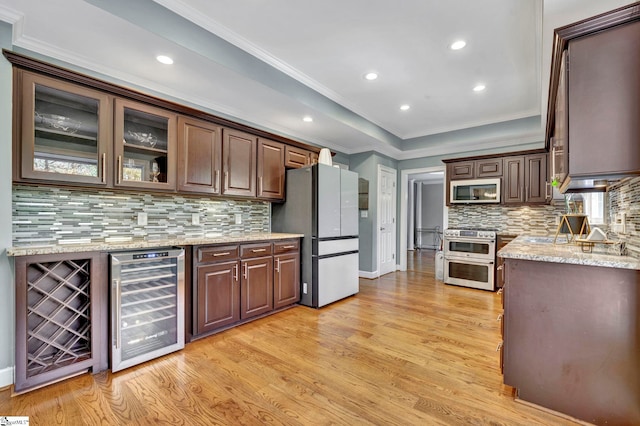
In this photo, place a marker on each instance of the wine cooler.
(147, 305)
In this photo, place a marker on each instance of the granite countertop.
(543, 249)
(144, 244)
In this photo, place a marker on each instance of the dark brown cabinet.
(525, 179)
(594, 103)
(501, 241)
(461, 170)
(239, 163)
(256, 293)
(61, 317)
(64, 133)
(604, 101)
(199, 156)
(286, 273)
(145, 146)
(271, 170)
(296, 157)
(234, 283)
(488, 168)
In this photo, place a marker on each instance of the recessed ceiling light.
(307, 119)
(457, 45)
(371, 76)
(405, 107)
(164, 59)
(479, 88)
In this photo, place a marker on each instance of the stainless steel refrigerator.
(322, 204)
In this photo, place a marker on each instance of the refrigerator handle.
(115, 287)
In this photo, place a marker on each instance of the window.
(594, 207)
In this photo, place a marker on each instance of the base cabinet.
(218, 290)
(571, 339)
(61, 317)
(236, 283)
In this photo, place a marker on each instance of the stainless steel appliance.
(475, 191)
(469, 256)
(322, 204)
(147, 305)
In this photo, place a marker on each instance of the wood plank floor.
(407, 350)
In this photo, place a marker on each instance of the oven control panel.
(471, 233)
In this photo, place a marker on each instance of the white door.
(386, 220)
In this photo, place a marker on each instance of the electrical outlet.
(304, 288)
(238, 218)
(195, 219)
(142, 219)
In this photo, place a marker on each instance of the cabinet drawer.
(217, 253)
(255, 250)
(286, 246)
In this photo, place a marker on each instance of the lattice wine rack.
(54, 318)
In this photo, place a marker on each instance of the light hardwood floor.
(407, 350)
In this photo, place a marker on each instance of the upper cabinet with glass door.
(66, 132)
(145, 146)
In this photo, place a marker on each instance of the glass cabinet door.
(65, 131)
(145, 145)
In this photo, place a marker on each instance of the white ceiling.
(269, 63)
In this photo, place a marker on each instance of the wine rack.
(57, 300)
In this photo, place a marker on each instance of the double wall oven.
(469, 257)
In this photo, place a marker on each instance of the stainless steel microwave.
(475, 191)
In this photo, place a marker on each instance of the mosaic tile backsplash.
(529, 220)
(624, 197)
(52, 216)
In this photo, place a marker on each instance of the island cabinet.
(199, 156)
(240, 282)
(572, 339)
(271, 169)
(61, 317)
(63, 133)
(239, 163)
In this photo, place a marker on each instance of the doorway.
(387, 194)
(433, 175)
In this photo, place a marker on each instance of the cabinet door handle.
(245, 272)
(260, 185)
(258, 250)
(547, 190)
(500, 291)
(216, 181)
(500, 268)
(226, 180)
(277, 264)
(104, 167)
(499, 317)
(115, 289)
(235, 272)
(499, 347)
(221, 254)
(119, 168)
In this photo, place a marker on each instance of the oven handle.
(471, 260)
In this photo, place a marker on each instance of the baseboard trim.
(6, 377)
(369, 275)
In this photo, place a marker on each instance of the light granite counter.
(146, 244)
(542, 249)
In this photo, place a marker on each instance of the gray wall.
(366, 165)
(7, 293)
(432, 207)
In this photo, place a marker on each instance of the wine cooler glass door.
(147, 305)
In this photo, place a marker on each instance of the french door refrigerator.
(147, 305)
(322, 204)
